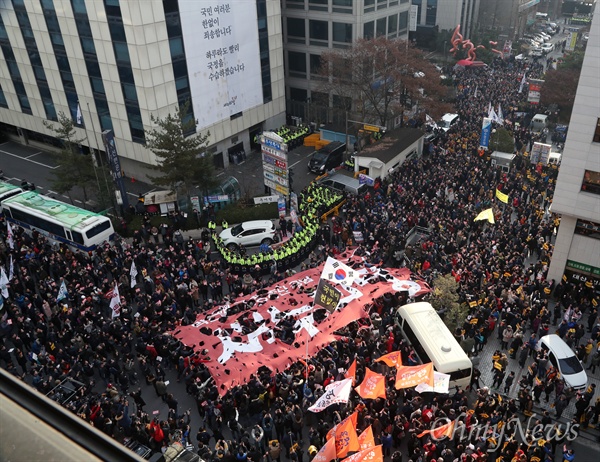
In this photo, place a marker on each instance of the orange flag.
(439, 432)
(327, 452)
(374, 454)
(346, 439)
(366, 439)
(353, 417)
(393, 359)
(411, 376)
(373, 386)
(351, 372)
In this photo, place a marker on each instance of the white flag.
(62, 292)
(429, 121)
(9, 234)
(523, 82)
(11, 269)
(336, 271)
(441, 382)
(133, 273)
(492, 114)
(335, 392)
(490, 108)
(500, 115)
(115, 302)
(79, 116)
(3, 282)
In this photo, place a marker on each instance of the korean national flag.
(338, 272)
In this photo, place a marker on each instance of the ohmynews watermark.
(498, 432)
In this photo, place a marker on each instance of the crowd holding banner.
(81, 317)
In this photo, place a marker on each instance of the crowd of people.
(45, 341)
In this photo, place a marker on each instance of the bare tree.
(376, 77)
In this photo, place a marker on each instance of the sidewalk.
(487, 377)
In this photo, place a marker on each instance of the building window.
(263, 44)
(13, 69)
(297, 63)
(91, 63)
(393, 24)
(319, 30)
(431, 14)
(597, 132)
(3, 102)
(369, 30)
(342, 32)
(120, 47)
(298, 94)
(381, 27)
(315, 64)
(403, 21)
(295, 27)
(588, 228)
(591, 182)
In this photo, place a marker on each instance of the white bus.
(433, 342)
(8, 190)
(58, 222)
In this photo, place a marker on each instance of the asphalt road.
(25, 163)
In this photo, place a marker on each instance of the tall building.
(510, 17)
(111, 64)
(447, 14)
(313, 26)
(577, 195)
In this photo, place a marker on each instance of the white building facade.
(577, 195)
(110, 65)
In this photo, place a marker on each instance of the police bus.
(58, 222)
(8, 190)
(433, 342)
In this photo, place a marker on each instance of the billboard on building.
(223, 58)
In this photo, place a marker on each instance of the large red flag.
(373, 386)
(326, 453)
(351, 372)
(353, 417)
(366, 439)
(411, 376)
(393, 359)
(374, 454)
(439, 432)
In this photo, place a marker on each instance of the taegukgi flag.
(338, 272)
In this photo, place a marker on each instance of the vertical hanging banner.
(281, 206)
(108, 137)
(486, 131)
(275, 162)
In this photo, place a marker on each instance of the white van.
(433, 342)
(554, 158)
(447, 121)
(539, 122)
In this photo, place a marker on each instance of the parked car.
(536, 52)
(564, 360)
(547, 48)
(249, 233)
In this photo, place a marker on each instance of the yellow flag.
(501, 196)
(486, 215)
